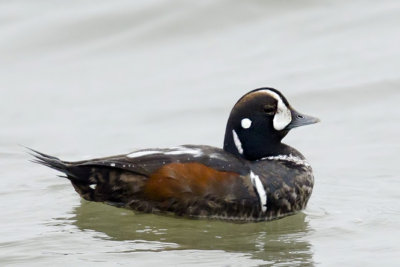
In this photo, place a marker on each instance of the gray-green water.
(96, 78)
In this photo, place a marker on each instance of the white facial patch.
(246, 123)
(255, 180)
(237, 142)
(283, 116)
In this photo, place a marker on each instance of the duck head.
(259, 121)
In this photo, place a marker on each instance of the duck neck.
(254, 146)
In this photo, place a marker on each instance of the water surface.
(90, 79)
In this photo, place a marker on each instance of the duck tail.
(52, 162)
(79, 177)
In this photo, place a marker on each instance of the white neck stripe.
(237, 142)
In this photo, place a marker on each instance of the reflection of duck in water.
(282, 240)
(255, 177)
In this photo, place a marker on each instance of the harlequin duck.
(254, 177)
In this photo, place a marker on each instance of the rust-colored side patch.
(181, 181)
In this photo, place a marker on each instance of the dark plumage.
(253, 178)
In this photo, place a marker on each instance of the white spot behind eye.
(246, 123)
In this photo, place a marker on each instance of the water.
(81, 80)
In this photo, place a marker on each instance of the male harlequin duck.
(254, 177)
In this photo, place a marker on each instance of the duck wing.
(186, 180)
(147, 161)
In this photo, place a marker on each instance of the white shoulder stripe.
(172, 151)
(184, 151)
(255, 180)
(142, 153)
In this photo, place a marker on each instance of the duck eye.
(270, 110)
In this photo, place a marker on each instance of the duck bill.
(299, 119)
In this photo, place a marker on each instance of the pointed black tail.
(94, 182)
(52, 162)
(79, 176)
